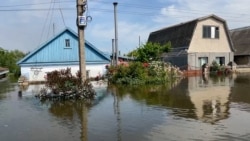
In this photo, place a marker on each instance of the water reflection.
(211, 107)
(6, 86)
(204, 98)
(240, 91)
(70, 111)
(210, 97)
(74, 112)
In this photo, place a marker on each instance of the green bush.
(214, 67)
(63, 84)
(137, 73)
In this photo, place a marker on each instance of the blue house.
(61, 52)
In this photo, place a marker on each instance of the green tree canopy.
(150, 51)
(9, 59)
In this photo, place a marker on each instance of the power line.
(149, 14)
(44, 25)
(144, 6)
(129, 12)
(140, 6)
(42, 3)
(122, 12)
(62, 14)
(32, 9)
(51, 16)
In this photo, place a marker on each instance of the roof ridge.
(240, 28)
(193, 20)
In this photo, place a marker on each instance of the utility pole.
(116, 36)
(81, 41)
(113, 53)
(139, 41)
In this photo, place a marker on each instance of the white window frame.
(210, 32)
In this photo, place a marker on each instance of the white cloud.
(234, 12)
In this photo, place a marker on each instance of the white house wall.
(38, 73)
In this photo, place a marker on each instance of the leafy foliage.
(137, 73)
(9, 59)
(62, 83)
(216, 68)
(150, 51)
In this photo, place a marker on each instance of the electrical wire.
(41, 3)
(235, 17)
(51, 17)
(62, 14)
(138, 6)
(44, 25)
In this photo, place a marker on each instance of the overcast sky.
(25, 24)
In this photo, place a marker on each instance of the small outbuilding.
(241, 41)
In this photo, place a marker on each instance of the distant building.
(61, 52)
(196, 42)
(241, 41)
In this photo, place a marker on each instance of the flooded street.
(196, 108)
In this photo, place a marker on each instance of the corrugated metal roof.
(241, 40)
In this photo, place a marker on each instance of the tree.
(150, 51)
(8, 59)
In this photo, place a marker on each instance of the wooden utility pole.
(81, 41)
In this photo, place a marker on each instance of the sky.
(26, 24)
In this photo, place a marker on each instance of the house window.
(202, 61)
(211, 32)
(220, 60)
(67, 42)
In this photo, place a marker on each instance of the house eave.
(60, 63)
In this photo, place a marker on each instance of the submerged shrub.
(214, 66)
(137, 73)
(63, 84)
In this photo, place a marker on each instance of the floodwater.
(195, 108)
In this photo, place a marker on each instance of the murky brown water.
(195, 108)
